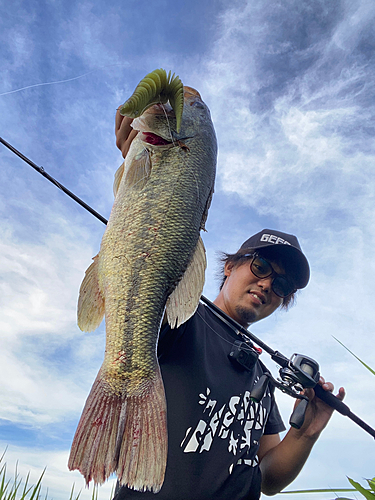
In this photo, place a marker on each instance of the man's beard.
(246, 316)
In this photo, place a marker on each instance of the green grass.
(17, 488)
(369, 494)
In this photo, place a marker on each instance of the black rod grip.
(341, 407)
(332, 400)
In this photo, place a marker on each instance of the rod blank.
(54, 181)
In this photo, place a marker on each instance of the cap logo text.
(271, 238)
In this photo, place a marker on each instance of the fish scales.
(147, 227)
(152, 238)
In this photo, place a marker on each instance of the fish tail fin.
(142, 440)
(126, 435)
(93, 450)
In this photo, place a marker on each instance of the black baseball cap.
(288, 248)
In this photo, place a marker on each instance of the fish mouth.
(154, 140)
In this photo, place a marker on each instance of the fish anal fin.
(90, 310)
(126, 435)
(139, 170)
(118, 176)
(183, 301)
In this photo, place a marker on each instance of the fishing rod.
(54, 181)
(297, 373)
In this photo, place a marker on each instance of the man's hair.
(244, 255)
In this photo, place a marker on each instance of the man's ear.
(228, 267)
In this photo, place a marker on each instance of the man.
(221, 444)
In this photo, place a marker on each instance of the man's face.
(246, 298)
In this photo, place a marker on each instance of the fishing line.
(197, 184)
(169, 128)
(59, 81)
(215, 332)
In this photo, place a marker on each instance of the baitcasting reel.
(301, 372)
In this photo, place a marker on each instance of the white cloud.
(39, 290)
(300, 156)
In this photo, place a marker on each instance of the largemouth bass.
(151, 262)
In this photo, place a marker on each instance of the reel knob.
(298, 416)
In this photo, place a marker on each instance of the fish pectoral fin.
(139, 170)
(183, 301)
(118, 176)
(90, 309)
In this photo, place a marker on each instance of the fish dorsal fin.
(205, 213)
(139, 170)
(118, 176)
(183, 301)
(90, 309)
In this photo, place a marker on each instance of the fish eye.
(198, 104)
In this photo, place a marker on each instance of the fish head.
(157, 125)
(196, 117)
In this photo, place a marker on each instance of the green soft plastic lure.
(156, 88)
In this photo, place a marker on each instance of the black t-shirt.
(213, 427)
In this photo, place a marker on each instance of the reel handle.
(298, 416)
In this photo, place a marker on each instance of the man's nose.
(265, 283)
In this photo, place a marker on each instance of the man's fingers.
(118, 120)
(124, 132)
(122, 125)
(341, 394)
(126, 145)
(327, 386)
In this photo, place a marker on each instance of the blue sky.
(290, 86)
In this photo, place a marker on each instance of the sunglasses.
(261, 268)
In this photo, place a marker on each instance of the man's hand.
(281, 462)
(317, 413)
(124, 133)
